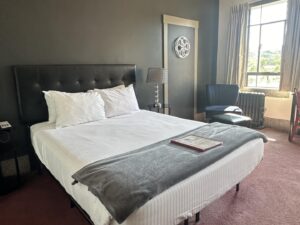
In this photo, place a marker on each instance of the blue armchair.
(222, 98)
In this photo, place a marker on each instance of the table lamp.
(157, 76)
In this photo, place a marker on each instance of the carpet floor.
(269, 196)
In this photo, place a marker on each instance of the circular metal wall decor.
(182, 47)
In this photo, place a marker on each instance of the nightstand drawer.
(6, 143)
(8, 151)
(5, 136)
(5, 147)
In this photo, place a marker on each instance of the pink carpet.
(269, 196)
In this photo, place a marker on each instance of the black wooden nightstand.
(165, 109)
(8, 150)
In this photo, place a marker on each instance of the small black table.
(7, 150)
(165, 108)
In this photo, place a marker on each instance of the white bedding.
(64, 151)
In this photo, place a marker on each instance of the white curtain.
(290, 78)
(236, 52)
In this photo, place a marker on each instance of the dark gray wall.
(96, 31)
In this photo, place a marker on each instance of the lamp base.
(157, 105)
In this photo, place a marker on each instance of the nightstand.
(165, 109)
(7, 151)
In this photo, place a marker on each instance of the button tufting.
(36, 85)
(70, 78)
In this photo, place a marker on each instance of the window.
(266, 33)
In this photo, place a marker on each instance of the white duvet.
(64, 151)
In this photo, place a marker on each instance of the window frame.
(260, 24)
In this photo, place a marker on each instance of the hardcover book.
(196, 142)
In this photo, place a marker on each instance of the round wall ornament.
(182, 47)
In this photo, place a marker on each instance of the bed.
(64, 151)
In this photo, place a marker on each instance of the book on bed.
(196, 142)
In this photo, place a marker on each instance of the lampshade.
(157, 75)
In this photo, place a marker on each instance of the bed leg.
(72, 204)
(237, 187)
(186, 222)
(197, 216)
(40, 169)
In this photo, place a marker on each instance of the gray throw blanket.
(125, 182)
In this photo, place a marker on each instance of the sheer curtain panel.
(290, 77)
(236, 55)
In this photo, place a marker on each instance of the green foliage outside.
(270, 61)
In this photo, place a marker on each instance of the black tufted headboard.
(32, 80)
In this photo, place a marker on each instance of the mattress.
(66, 150)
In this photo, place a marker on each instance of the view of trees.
(270, 61)
(266, 29)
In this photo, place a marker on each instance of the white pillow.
(116, 87)
(51, 105)
(119, 101)
(77, 108)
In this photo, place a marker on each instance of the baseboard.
(278, 124)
